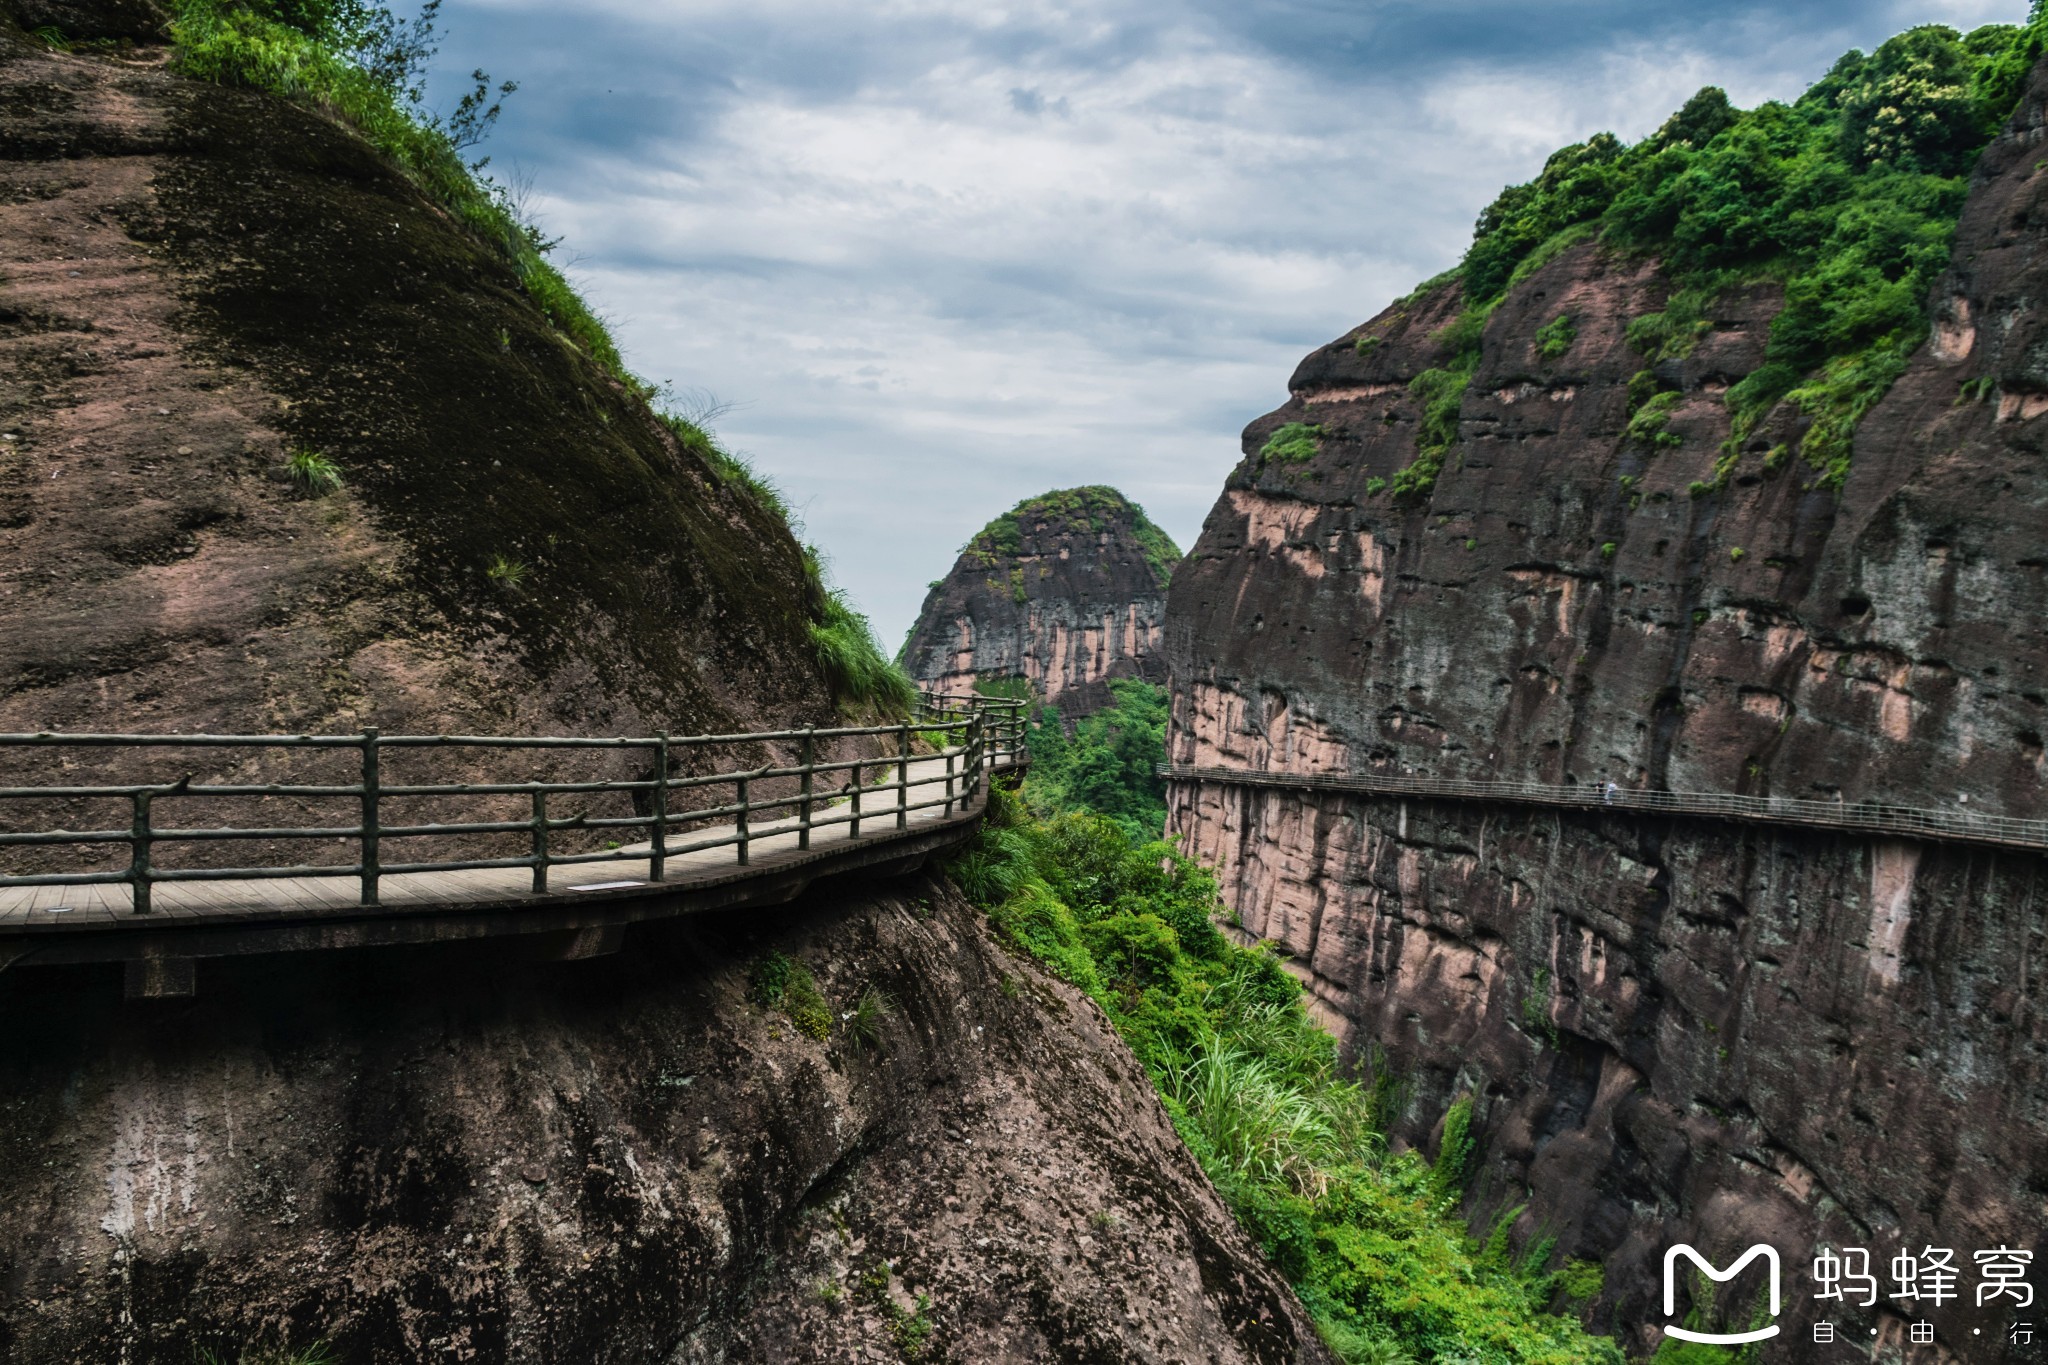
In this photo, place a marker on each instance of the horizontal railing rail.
(1867, 817)
(941, 759)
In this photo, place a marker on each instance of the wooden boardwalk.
(1961, 825)
(583, 913)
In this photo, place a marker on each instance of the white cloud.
(949, 255)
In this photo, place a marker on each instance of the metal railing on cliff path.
(1863, 817)
(944, 755)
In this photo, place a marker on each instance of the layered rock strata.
(1064, 592)
(1673, 1030)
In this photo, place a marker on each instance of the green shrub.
(1109, 765)
(870, 1012)
(319, 1353)
(1441, 392)
(1294, 443)
(859, 675)
(508, 573)
(779, 981)
(1555, 337)
(1648, 424)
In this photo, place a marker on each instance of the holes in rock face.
(1855, 605)
(1657, 550)
(2030, 744)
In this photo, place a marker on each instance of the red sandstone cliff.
(1674, 1030)
(1065, 591)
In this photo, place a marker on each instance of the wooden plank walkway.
(55, 925)
(1862, 817)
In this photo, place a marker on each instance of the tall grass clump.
(689, 414)
(859, 674)
(1294, 1141)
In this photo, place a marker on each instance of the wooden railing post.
(743, 820)
(853, 824)
(540, 842)
(657, 865)
(950, 753)
(803, 817)
(373, 783)
(138, 853)
(902, 776)
(975, 758)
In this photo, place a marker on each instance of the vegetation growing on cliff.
(1372, 1241)
(1848, 197)
(1110, 763)
(1086, 510)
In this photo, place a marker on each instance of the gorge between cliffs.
(1363, 938)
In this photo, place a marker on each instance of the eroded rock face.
(466, 1157)
(1065, 591)
(202, 282)
(1674, 1030)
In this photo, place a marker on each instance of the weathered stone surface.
(1674, 1030)
(1065, 591)
(202, 281)
(464, 1157)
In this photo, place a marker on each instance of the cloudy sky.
(941, 255)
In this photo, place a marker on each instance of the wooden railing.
(1868, 817)
(945, 753)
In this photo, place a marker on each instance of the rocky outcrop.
(1673, 1030)
(1064, 592)
(203, 282)
(628, 1160)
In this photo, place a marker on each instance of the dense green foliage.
(1372, 1241)
(1086, 510)
(1109, 765)
(1847, 196)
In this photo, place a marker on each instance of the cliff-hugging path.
(825, 817)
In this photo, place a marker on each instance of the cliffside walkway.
(1862, 817)
(770, 830)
